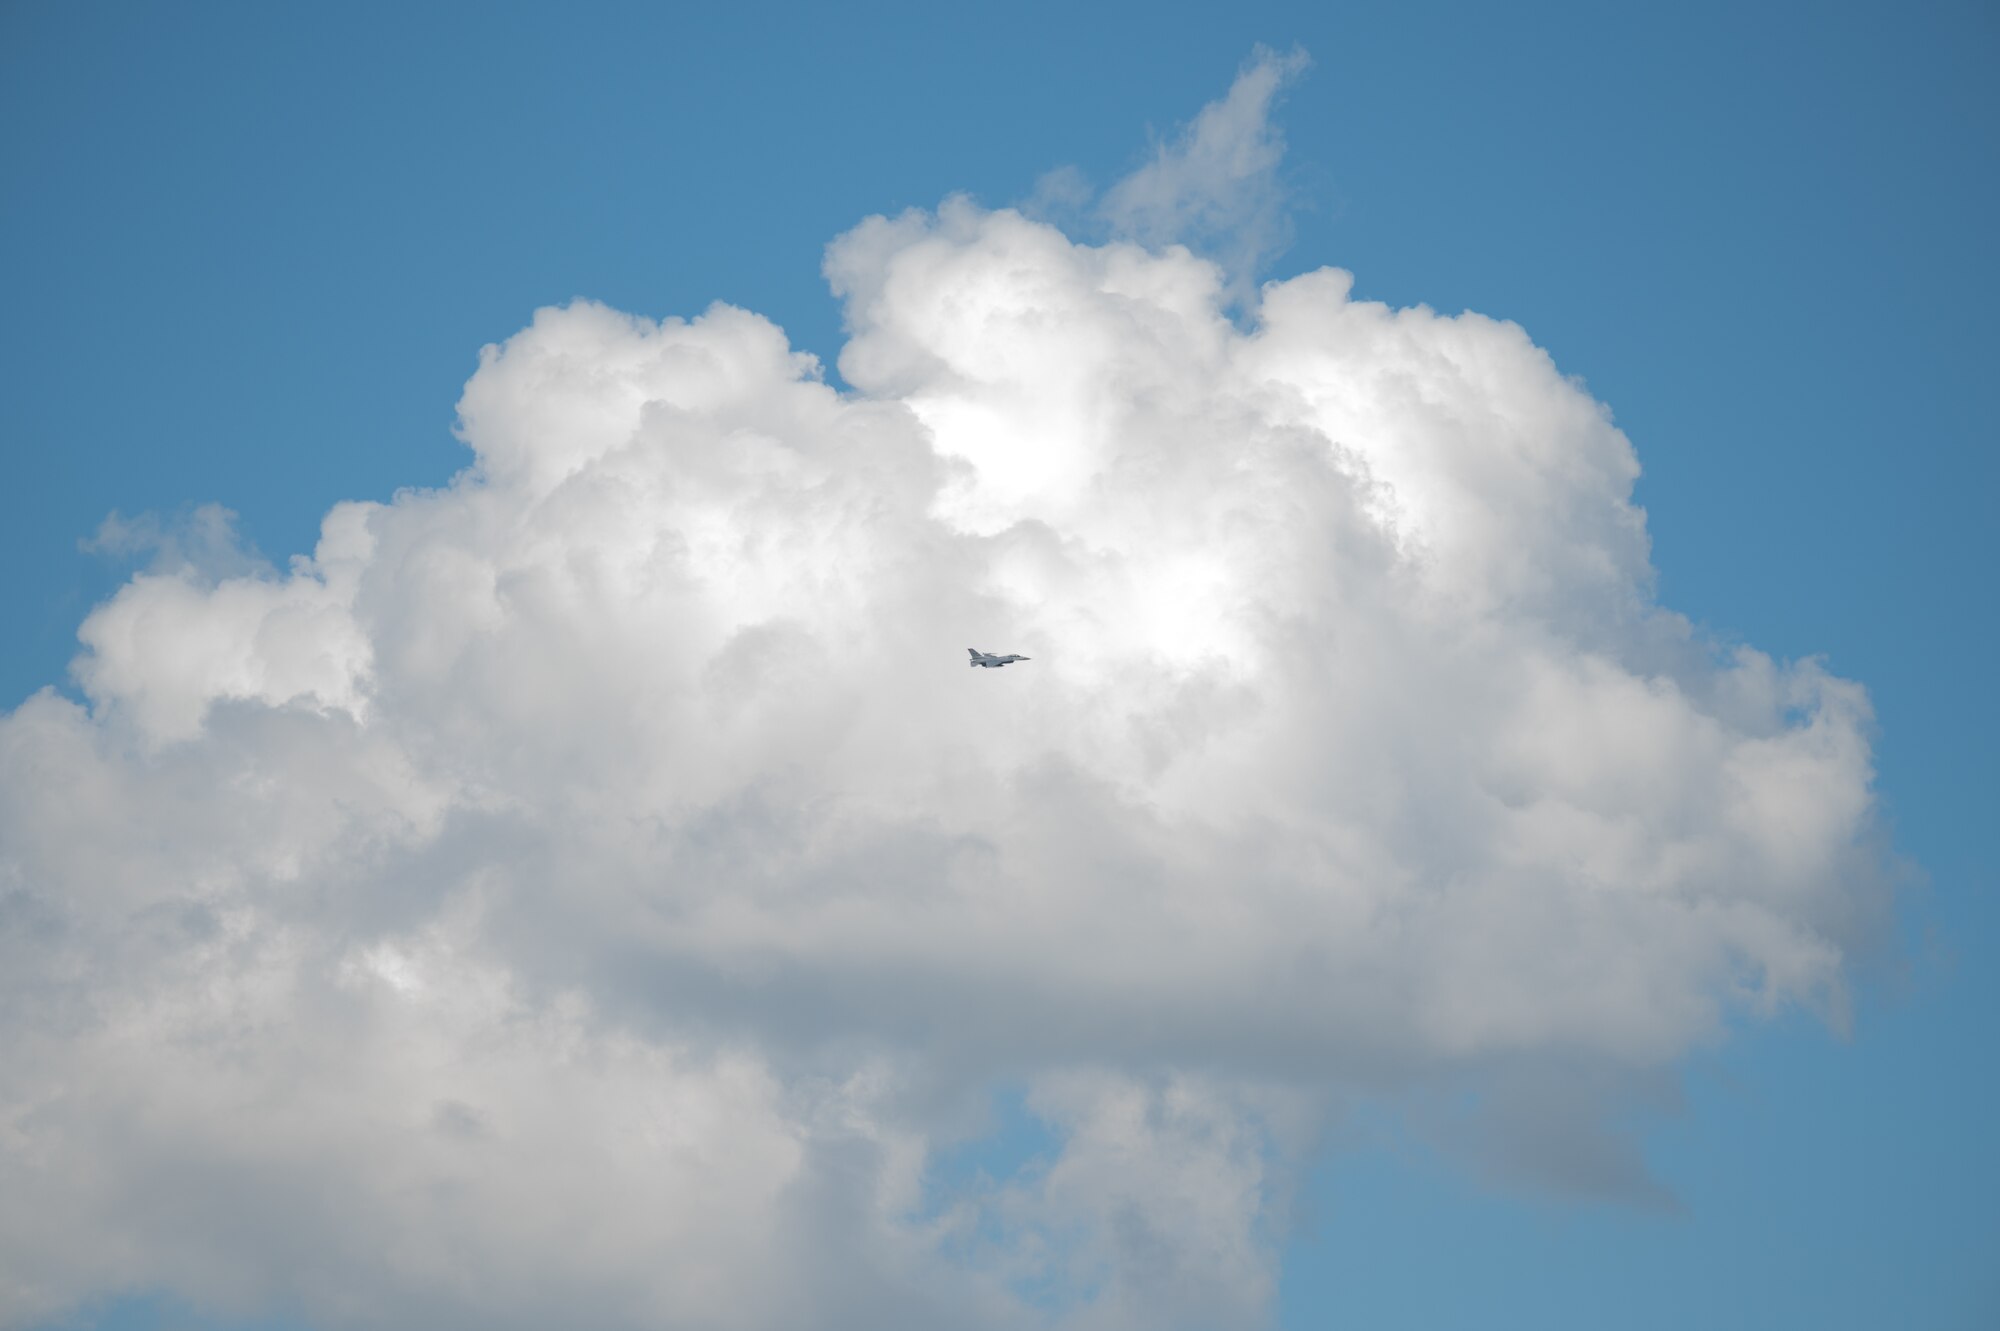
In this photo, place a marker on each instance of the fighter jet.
(990, 661)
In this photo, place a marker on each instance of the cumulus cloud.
(595, 892)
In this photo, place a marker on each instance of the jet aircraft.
(990, 661)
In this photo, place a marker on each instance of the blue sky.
(251, 253)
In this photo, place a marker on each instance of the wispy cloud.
(1216, 185)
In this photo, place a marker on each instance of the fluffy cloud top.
(594, 892)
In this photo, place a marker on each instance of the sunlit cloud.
(594, 892)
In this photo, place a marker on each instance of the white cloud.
(592, 892)
(1216, 186)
